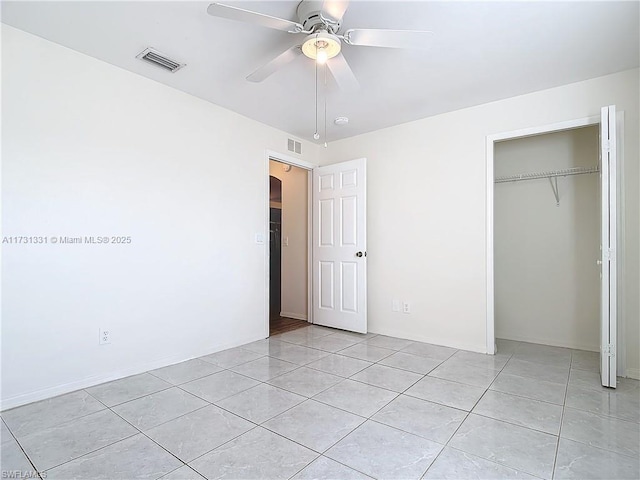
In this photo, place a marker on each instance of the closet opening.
(554, 246)
(547, 241)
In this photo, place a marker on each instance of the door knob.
(359, 254)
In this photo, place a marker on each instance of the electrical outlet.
(406, 307)
(105, 336)
(395, 306)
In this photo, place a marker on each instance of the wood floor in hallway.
(279, 324)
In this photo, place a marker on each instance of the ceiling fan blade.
(280, 61)
(388, 38)
(241, 15)
(343, 74)
(334, 9)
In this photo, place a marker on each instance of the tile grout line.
(464, 420)
(564, 406)
(61, 423)
(342, 379)
(471, 411)
(396, 397)
(525, 397)
(365, 419)
(255, 425)
(92, 451)
(180, 386)
(599, 447)
(167, 421)
(518, 396)
(318, 454)
(64, 421)
(15, 439)
(370, 418)
(493, 462)
(110, 408)
(514, 424)
(452, 435)
(422, 375)
(604, 416)
(153, 441)
(307, 397)
(86, 453)
(139, 397)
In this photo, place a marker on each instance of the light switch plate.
(395, 306)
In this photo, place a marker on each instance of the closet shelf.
(550, 174)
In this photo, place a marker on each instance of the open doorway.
(288, 247)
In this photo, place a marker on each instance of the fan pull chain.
(325, 105)
(316, 135)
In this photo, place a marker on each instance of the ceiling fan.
(321, 23)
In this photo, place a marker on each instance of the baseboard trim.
(633, 373)
(295, 316)
(433, 341)
(546, 341)
(45, 393)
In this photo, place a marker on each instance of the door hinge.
(610, 350)
(606, 146)
(609, 254)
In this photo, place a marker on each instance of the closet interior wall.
(547, 281)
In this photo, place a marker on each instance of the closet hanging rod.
(550, 174)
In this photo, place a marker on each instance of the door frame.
(542, 129)
(296, 162)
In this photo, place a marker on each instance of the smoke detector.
(340, 121)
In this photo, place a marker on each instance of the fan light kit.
(321, 22)
(321, 46)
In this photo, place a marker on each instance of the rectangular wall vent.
(294, 146)
(160, 60)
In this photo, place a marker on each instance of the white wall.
(90, 149)
(294, 230)
(427, 214)
(547, 282)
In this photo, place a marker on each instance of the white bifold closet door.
(340, 246)
(608, 313)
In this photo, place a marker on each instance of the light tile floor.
(319, 403)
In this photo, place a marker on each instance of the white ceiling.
(481, 52)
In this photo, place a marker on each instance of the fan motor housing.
(309, 15)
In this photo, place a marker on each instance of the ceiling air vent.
(160, 60)
(294, 146)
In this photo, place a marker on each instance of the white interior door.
(608, 315)
(340, 246)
